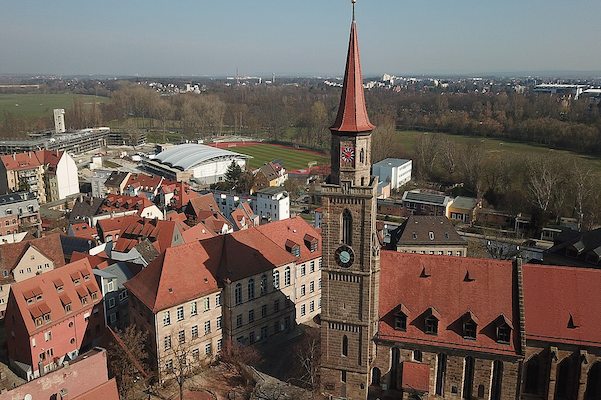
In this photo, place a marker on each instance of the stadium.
(204, 164)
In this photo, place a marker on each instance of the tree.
(232, 175)
(186, 362)
(237, 355)
(246, 182)
(426, 152)
(543, 180)
(582, 181)
(127, 359)
(308, 353)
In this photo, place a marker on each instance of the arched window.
(468, 377)
(263, 284)
(376, 375)
(593, 386)
(347, 228)
(441, 372)
(287, 276)
(345, 345)
(238, 294)
(394, 368)
(532, 375)
(251, 288)
(276, 279)
(362, 156)
(565, 387)
(497, 380)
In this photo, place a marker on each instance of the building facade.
(273, 204)
(19, 212)
(395, 171)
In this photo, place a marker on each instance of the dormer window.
(431, 321)
(504, 328)
(470, 326)
(400, 322)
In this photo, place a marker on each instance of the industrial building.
(73, 142)
(205, 164)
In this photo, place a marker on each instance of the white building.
(273, 204)
(394, 170)
(97, 181)
(205, 164)
(67, 180)
(59, 121)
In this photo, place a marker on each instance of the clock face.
(347, 153)
(345, 256)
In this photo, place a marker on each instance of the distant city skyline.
(309, 38)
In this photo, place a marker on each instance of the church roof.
(352, 112)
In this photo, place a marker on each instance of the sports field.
(40, 105)
(291, 158)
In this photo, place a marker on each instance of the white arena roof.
(190, 155)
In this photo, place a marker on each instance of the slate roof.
(453, 286)
(417, 228)
(427, 198)
(87, 208)
(116, 179)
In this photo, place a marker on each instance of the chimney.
(63, 394)
(14, 156)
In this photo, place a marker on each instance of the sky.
(305, 38)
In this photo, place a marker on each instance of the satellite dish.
(28, 397)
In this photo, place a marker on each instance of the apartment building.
(19, 212)
(273, 204)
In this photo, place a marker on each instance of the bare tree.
(426, 153)
(127, 359)
(238, 355)
(187, 360)
(582, 181)
(308, 353)
(542, 182)
(449, 155)
(471, 163)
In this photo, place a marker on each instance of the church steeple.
(352, 112)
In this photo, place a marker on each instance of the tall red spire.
(352, 112)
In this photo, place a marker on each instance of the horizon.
(191, 40)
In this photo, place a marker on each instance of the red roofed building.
(141, 206)
(205, 209)
(84, 378)
(51, 317)
(175, 195)
(143, 185)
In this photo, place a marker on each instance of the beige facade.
(194, 328)
(440, 250)
(308, 290)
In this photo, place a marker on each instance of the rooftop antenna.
(354, 2)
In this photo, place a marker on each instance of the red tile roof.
(50, 246)
(423, 282)
(178, 275)
(106, 391)
(114, 202)
(31, 159)
(161, 232)
(196, 233)
(416, 376)
(352, 112)
(95, 261)
(144, 181)
(83, 230)
(297, 230)
(205, 209)
(555, 295)
(51, 298)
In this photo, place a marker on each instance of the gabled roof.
(52, 301)
(50, 246)
(419, 230)
(205, 209)
(86, 208)
(426, 198)
(554, 296)
(489, 294)
(114, 202)
(352, 111)
(31, 159)
(296, 230)
(144, 181)
(116, 224)
(197, 232)
(178, 275)
(116, 179)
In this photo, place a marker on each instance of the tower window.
(347, 228)
(362, 156)
(345, 346)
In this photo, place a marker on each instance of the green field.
(291, 158)
(40, 105)
(407, 140)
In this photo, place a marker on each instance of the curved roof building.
(204, 163)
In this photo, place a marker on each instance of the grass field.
(291, 158)
(407, 140)
(40, 105)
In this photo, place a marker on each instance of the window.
(166, 318)
(287, 276)
(111, 302)
(169, 365)
(303, 270)
(441, 372)
(418, 355)
(239, 320)
(312, 268)
(180, 313)
(431, 325)
(251, 337)
(238, 293)
(196, 354)
(276, 306)
(219, 344)
(276, 279)
(497, 380)
(251, 289)
(319, 283)
(206, 304)
(343, 376)
(311, 306)
(195, 332)
(303, 310)
(469, 330)
(302, 290)
(400, 322)
(312, 287)
(263, 333)
(207, 327)
(431, 235)
(263, 310)
(347, 228)
(167, 342)
(345, 346)
(123, 295)
(503, 333)
(251, 316)
(218, 323)
(68, 307)
(468, 377)
(48, 336)
(193, 308)
(263, 284)
(208, 349)
(533, 375)
(181, 337)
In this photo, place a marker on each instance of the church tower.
(351, 253)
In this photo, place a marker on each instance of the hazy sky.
(213, 37)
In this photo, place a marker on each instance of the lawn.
(291, 158)
(407, 139)
(40, 105)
